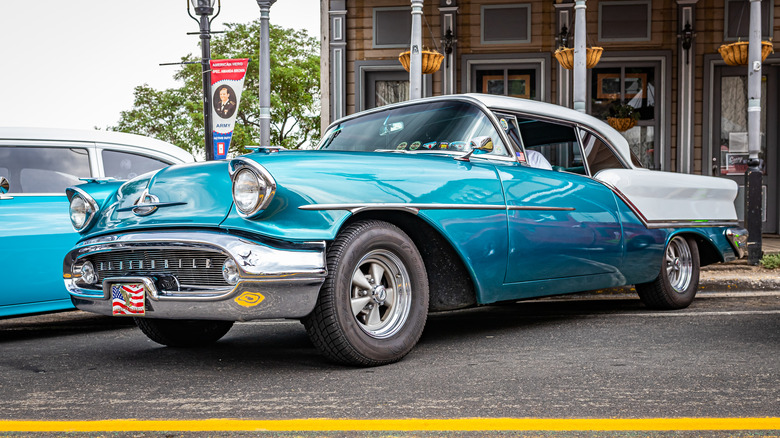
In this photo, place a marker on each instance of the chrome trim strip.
(690, 224)
(415, 208)
(151, 204)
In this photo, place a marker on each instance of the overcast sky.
(74, 64)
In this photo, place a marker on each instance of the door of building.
(730, 135)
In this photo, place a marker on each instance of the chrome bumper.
(277, 279)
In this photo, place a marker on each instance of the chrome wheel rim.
(679, 264)
(380, 296)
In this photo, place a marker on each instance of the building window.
(624, 21)
(635, 86)
(505, 24)
(507, 81)
(386, 87)
(392, 27)
(737, 20)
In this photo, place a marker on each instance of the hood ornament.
(147, 204)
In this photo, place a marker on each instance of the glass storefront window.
(612, 87)
(734, 152)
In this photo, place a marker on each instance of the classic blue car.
(430, 205)
(36, 166)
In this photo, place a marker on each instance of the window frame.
(769, 16)
(649, 31)
(375, 44)
(525, 40)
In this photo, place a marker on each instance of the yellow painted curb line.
(461, 424)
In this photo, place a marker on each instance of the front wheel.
(373, 305)
(183, 333)
(676, 284)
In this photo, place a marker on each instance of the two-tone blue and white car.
(430, 205)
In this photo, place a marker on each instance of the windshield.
(439, 126)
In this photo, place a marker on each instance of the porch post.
(754, 175)
(415, 61)
(580, 72)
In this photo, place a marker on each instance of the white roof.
(94, 136)
(557, 112)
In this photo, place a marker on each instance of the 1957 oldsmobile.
(430, 205)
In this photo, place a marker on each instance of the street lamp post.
(754, 174)
(205, 8)
(265, 72)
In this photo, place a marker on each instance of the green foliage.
(623, 110)
(176, 115)
(770, 261)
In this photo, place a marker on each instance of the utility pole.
(265, 72)
(754, 174)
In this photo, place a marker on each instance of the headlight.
(82, 208)
(253, 187)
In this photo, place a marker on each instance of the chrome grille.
(190, 267)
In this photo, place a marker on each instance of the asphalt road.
(582, 358)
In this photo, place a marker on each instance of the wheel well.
(449, 282)
(708, 253)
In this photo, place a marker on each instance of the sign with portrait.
(227, 83)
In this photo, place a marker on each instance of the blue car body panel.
(35, 230)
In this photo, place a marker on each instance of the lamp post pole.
(754, 174)
(415, 59)
(204, 8)
(580, 72)
(265, 73)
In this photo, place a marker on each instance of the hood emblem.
(147, 204)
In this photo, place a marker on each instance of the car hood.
(192, 195)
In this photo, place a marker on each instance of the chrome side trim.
(415, 208)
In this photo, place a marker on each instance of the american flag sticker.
(128, 299)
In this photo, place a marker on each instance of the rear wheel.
(183, 332)
(373, 305)
(676, 284)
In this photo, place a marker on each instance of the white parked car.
(36, 166)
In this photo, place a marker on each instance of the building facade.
(659, 57)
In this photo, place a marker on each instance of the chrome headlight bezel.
(76, 195)
(240, 168)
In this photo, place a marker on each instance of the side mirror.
(4, 185)
(482, 143)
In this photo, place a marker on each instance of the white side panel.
(667, 196)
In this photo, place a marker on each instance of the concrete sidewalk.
(738, 275)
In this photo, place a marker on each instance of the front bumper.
(276, 279)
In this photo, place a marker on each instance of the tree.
(176, 115)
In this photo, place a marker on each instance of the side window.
(42, 169)
(598, 154)
(556, 142)
(126, 165)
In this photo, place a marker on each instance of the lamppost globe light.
(203, 7)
